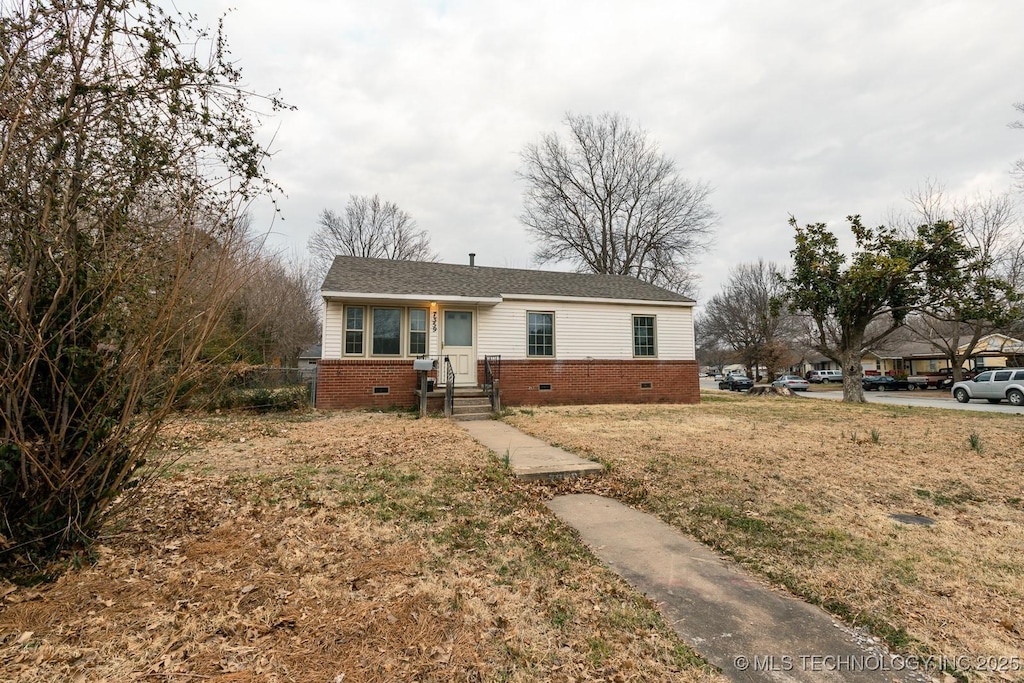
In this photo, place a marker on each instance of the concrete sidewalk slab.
(741, 626)
(529, 458)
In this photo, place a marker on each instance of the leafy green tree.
(852, 307)
(123, 161)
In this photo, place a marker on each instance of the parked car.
(824, 376)
(792, 382)
(884, 383)
(994, 386)
(736, 382)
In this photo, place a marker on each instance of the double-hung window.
(417, 332)
(540, 334)
(354, 330)
(644, 345)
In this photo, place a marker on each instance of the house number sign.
(433, 322)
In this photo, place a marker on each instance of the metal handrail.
(492, 380)
(449, 387)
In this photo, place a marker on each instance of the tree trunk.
(958, 365)
(853, 373)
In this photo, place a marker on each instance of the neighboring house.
(997, 351)
(309, 358)
(903, 357)
(563, 338)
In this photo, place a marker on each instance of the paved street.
(922, 399)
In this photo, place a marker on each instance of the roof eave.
(597, 300)
(384, 296)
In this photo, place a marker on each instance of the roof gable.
(385, 277)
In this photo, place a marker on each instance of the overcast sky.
(817, 109)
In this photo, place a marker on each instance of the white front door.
(458, 342)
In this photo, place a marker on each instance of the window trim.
(345, 330)
(528, 344)
(654, 335)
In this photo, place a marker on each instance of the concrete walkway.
(737, 623)
(529, 458)
(741, 626)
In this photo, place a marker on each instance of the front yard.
(373, 547)
(346, 547)
(801, 492)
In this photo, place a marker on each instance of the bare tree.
(608, 201)
(749, 317)
(122, 162)
(370, 228)
(986, 298)
(273, 318)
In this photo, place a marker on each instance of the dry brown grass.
(350, 547)
(801, 490)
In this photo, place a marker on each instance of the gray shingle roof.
(382, 276)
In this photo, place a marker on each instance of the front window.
(354, 330)
(540, 334)
(387, 331)
(643, 336)
(417, 332)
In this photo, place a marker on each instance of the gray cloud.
(815, 109)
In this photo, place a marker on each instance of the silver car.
(994, 386)
(792, 382)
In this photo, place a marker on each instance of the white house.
(551, 337)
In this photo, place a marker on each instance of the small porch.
(460, 402)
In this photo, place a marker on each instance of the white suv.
(993, 385)
(825, 376)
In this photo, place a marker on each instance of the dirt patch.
(349, 547)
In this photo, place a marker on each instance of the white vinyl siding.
(333, 330)
(582, 330)
(586, 330)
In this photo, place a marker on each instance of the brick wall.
(350, 384)
(597, 381)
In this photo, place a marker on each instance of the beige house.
(919, 358)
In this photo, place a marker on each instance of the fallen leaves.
(353, 547)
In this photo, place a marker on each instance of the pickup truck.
(940, 379)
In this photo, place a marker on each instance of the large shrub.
(124, 158)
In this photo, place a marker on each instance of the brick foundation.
(350, 384)
(526, 382)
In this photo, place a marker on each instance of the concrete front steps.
(471, 406)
